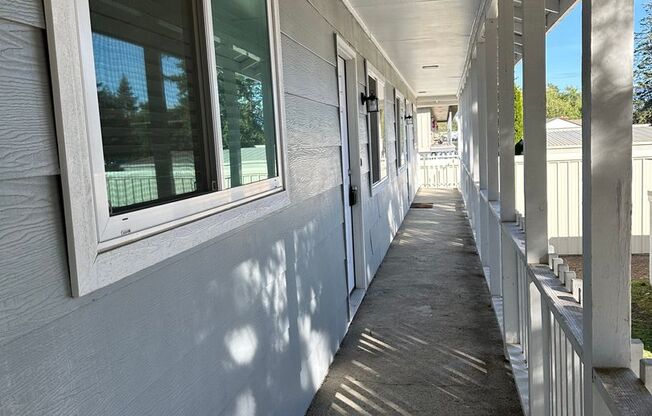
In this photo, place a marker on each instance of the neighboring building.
(564, 188)
(560, 123)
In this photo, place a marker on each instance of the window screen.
(148, 88)
(377, 132)
(245, 87)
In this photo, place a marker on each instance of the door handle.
(353, 195)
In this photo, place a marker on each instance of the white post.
(607, 62)
(483, 202)
(649, 270)
(506, 147)
(506, 107)
(534, 130)
(475, 183)
(534, 166)
(491, 93)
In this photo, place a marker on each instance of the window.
(400, 128)
(172, 116)
(377, 138)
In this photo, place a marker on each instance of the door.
(347, 191)
(409, 130)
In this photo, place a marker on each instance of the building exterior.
(564, 173)
(239, 312)
(195, 195)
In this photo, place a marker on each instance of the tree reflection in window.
(154, 147)
(245, 91)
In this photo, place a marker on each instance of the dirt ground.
(640, 265)
(641, 297)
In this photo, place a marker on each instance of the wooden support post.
(506, 107)
(491, 94)
(534, 131)
(607, 62)
(506, 167)
(538, 354)
(483, 200)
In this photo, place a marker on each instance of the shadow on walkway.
(425, 340)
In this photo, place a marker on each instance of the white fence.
(564, 193)
(439, 172)
(565, 200)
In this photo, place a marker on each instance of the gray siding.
(250, 321)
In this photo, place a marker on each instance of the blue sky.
(564, 48)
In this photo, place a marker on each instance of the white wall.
(424, 129)
(565, 197)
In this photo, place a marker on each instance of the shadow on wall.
(286, 327)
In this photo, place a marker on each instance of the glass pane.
(244, 74)
(382, 145)
(146, 64)
(374, 133)
(401, 132)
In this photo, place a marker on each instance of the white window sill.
(379, 186)
(121, 262)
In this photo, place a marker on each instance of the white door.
(346, 173)
(409, 129)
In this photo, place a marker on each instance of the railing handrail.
(568, 313)
(562, 322)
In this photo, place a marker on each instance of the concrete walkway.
(425, 340)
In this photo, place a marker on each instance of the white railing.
(542, 307)
(439, 172)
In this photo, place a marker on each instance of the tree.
(565, 103)
(518, 114)
(643, 69)
(117, 112)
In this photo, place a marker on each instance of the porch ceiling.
(415, 33)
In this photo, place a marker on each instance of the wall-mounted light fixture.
(370, 101)
(409, 120)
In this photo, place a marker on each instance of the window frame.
(100, 251)
(400, 127)
(372, 72)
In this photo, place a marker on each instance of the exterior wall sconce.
(370, 101)
(409, 120)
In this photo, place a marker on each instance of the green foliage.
(245, 114)
(642, 312)
(518, 114)
(643, 69)
(117, 112)
(565, 103)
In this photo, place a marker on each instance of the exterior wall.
(565, 197)
(246, 324)
(424, 129)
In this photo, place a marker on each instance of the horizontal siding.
(307, 75)
(173, 339)
(311, 124)
(29, 12)
(177, 307)
(305, 26)
(28, 145)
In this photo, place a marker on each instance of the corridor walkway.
(425, 341)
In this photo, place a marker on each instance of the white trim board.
(93, 263)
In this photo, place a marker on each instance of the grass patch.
(642, 314)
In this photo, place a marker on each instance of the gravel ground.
(640, 265)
